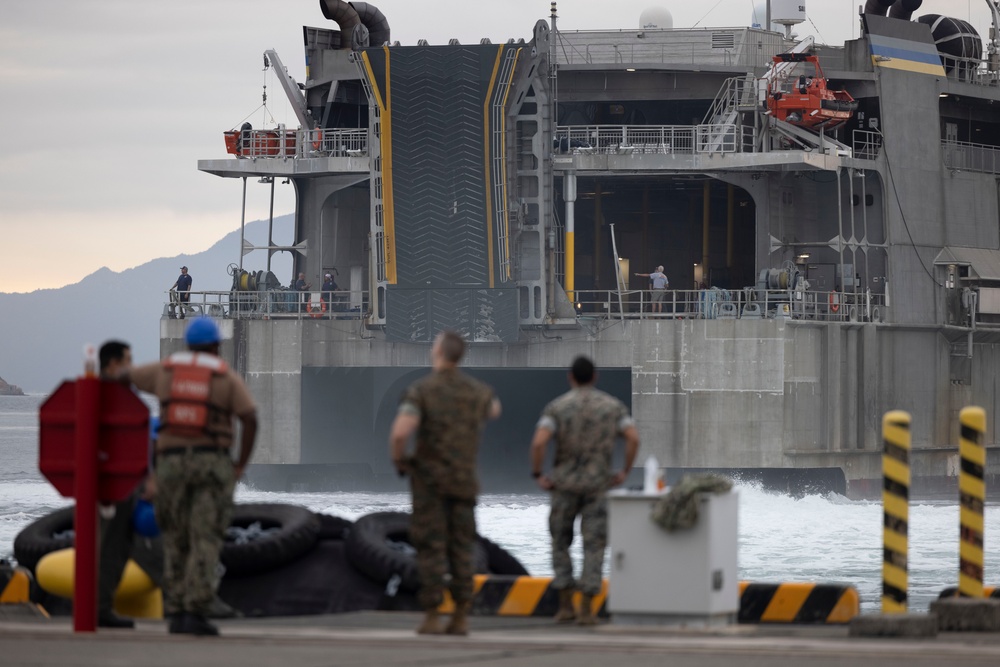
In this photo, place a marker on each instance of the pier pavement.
(387, 638)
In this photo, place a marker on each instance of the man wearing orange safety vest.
(199, 396)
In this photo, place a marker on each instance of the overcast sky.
(110, 103)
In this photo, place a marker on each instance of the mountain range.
(43, 333)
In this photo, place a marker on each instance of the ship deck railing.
(291, 144)
(965, 156)
(748, 303)
(970, 70)
(270, 304)
(653, 139)
(735, 47)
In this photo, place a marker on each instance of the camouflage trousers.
(593, 511)
(443, 530)
(194, 504)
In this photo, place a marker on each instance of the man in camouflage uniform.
(446, 411)
(194, 471)
(585, 422)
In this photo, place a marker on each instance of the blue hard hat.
(144, 519)
(202, 331)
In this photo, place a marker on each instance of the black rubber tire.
(370, 550)
(36, 539)
(299, 530)
(501, 561)
(333, 527)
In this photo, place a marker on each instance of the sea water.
(827, 539)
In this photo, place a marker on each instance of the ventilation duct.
(903, 9)
(353, 33)
(878, 7)
(375, 21)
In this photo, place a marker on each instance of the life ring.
(318, 142)
(834, 301)
(317, 310)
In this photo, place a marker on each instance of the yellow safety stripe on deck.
(523, 596)
(17, 588)
(797, 603)
(498, 595)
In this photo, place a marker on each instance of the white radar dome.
(788, 12)
(656, 18)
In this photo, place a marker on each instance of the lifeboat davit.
(807, 101)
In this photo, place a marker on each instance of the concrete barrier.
(498, 595)
(952, 591)
(797, 603)
(15, 585)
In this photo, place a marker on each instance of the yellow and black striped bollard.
(895, 509)
(971, 498)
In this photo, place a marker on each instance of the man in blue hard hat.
(199, 397)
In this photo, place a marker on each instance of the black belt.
(195, 449)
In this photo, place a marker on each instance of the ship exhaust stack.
(375, 21)
(353, 33)
(904, 9)
(878, 7)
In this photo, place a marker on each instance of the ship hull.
(795, 406)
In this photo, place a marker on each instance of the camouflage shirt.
(585, 422)
(451, 407)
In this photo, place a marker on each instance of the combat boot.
(566, 613)
(586, 616)
(431, 624)
(459, 624)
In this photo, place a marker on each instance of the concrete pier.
(387, 638)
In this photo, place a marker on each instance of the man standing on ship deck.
(659, 283)
(183, 285)
(199, 396)
(446, 410)
(584, 422)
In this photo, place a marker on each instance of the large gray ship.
(827, 215)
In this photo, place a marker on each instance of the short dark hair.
(582, 370)
(452, 346)
(113, 350)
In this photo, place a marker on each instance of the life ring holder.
(316, 311)
(834, 301)
(317, 144)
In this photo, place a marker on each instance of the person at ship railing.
(329, 286)
(660, 284)
(301, 285)
(183, 287)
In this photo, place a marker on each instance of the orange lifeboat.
(247, 142)
(807, 101)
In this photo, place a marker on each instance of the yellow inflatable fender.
(136, 596)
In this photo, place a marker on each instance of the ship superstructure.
(821, 273)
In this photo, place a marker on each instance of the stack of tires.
(284, 560)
